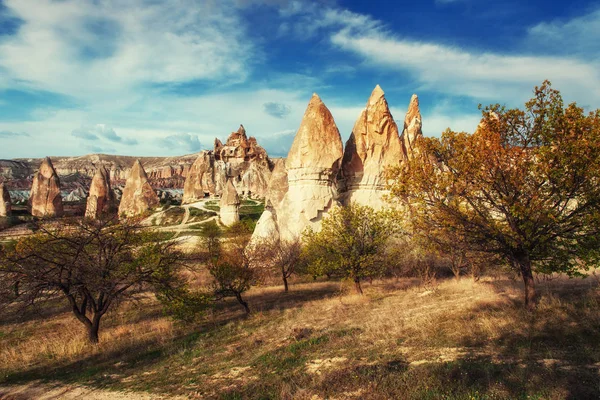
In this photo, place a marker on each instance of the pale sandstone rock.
(240, 158)
(311, 166)
(199, 181)
(229, 205)
(413, 126)
(373, 147)
(45, 199)
(101, 199)
(138, 196)
(5, 203)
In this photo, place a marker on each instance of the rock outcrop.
(5, 203)
(240, 158)
(374, 146)
(229, 205)
(138, 196)
(45, 199)
(311, 167)
(101, 199)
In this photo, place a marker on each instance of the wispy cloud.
(182, 142)
(277, 110)
(482, 75)
(10, 134)
(101, 131)
(577, 36)
(122, 45)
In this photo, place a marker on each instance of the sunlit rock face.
(45, 199)
(413, 126)
(373, 147)
(5, 203)
(138, 196)
(101, 199)
(229, 205)
(200, 181)
(240, 158)
(310, 170)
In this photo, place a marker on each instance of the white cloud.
(109, 50)
(481, 75)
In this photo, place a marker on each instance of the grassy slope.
(460, 340)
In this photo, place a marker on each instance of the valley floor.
(456, 340)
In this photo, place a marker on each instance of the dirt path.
(48, 391)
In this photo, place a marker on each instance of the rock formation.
(101, 199)
(45, 199)
(230, 205)
(200, 182)
(138, 196)
(240, 158)
(311, 167)
(373, 147)
(5, 203)
(412, 126)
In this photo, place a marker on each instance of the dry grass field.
(455, 340)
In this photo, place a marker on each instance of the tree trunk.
(357, 286)
(285, 282)
(243, 302)
(94, 328)
(527, 274)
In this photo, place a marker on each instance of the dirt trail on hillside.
(48, 391)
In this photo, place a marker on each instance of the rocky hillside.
(169, 172)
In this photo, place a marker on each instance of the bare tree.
(93, 265)
(284, 256)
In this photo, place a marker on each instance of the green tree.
(94, 265)
(229, 261)
(524, 187)
(351, 243)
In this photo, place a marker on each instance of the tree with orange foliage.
(525, 186)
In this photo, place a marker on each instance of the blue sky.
(150, 77)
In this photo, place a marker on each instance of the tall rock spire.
(138, 196)
(5, 203)
(311, 166)
(45, 199)
(412, 126)
(317, 143)
(373, 147)
(101, 199)
(229, 205)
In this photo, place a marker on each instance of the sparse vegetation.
(463, 340)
